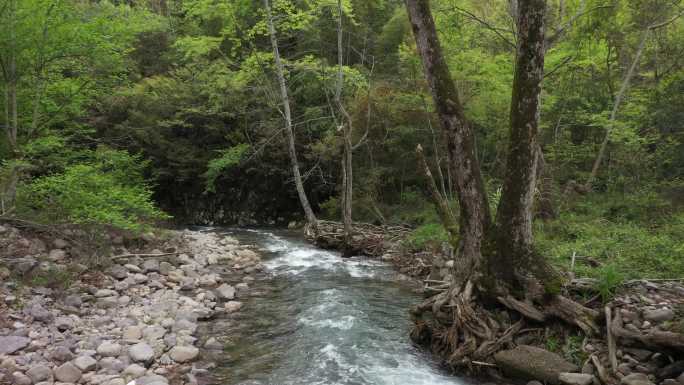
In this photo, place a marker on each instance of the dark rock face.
(533, 363)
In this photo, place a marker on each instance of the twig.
(600, 370)
(483, 364)
(611, 340)
(123, 256)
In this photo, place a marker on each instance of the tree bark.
(514, 214)
(280, 72)
(464, 165)
(346, 124)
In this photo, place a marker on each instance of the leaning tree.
(496, 263)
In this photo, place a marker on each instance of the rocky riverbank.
(135, 319)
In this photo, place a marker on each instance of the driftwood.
(366, 239)
(124, 256)
(655, 339)
(612, 346)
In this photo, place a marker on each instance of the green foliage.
(429, 236)
(108, 191)
(609, 279)
(227, 159)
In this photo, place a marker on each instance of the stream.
(315, 318)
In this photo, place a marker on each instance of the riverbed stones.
(150, 265)
(63, 323)
(183, 354)
(152, 380)
(134, 371)
(39, 373)
(68, 372)
(132, 333)
(141, 352)
(11, 344)
(659, 315)
(19, 378)
(532, 363)
(109, 349)
(636, 379)
(85, 363)
(232, 306)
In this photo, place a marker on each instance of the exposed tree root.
(467, 331)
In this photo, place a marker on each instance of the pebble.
(39, 373)
(141, 352)
(109, 349)
(183, 354)
(85, 363)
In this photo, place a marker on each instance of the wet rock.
(533, 363)
(85, 363)
(39, 373)
(109, 349)
(183, 354)
(141, 352)
(68, 372)
(213, 344)
(11, 344)
(225, 291)
(659, 315)
(575, 378)
(636, 379)
(232, 306)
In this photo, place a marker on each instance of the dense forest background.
(119, 112)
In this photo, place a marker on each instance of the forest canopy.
(116, 110)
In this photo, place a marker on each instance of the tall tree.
(494, 261)
(346, 126)
(287, 115)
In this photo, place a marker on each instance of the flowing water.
(315, 318)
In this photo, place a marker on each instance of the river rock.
(73, 300)
(132, 333)
(61, 354)
(183, 354)
(117, 271)
(213, 344)
(109, 349)
(85, 363)
(19, 378)
(134, 371)
(153, 332)
(575, 378)
(225, 291)
(39, 373)
(150, 265)
(636, 379)
(57, 255)
(11, 344)
(141, 352)
(39, 313)
(63, 323)
(165, 268)
(533, 363)
(68, 372)
(232, 306)
(152, 380)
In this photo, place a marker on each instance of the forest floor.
(135, 317)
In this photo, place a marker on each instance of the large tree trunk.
(280, 72)
(346, 123)
(514, 214)
(495, 264)
(464, 166)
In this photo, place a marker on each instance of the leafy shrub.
(227, 159)
(427, 236)
(609, 279)
(109, 190)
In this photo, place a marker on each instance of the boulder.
(232, 306)
(533, 363)
(19, 378)
(575, 378)
(85, 363)
(183, 354)
(12, 344)
(68, 372)
(141, 352)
